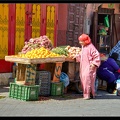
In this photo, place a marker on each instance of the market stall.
(26, 70)
(39, 51)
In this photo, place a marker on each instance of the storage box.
(43, 79)
(24, 92)
(57, 88)
(26, 74)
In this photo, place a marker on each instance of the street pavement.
(70, 104)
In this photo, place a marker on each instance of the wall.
(116, 7)
(88, 18)
(62, 24)
(4, 78)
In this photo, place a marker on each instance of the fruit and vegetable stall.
(31, 79)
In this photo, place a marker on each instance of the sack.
(64, 78)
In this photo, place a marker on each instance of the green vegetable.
(60, 51)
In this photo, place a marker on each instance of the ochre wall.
(116, 7)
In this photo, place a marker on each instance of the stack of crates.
(56, 87)
(43, 79)
(48, 87)
(24, 87)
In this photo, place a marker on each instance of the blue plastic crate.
(43, 79)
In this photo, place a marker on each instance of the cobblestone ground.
(70, 104)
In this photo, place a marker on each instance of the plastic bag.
(102, 32)
(106, 21)
(64, 78)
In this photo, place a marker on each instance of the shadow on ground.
(73, 95)
(102, 94)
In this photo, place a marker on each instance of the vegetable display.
(67, 51)
(41, 47)
(42, 41)
(60, 50)
(73, 51)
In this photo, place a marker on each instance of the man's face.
(82, 42)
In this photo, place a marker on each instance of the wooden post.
(57, 72)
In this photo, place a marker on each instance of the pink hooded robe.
(89, 54)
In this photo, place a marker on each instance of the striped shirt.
(116, 49)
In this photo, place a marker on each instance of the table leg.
(57, 72)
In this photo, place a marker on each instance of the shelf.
(102, 42)
(103, 35)
(104, 46)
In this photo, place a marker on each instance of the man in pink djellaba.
(89, 59)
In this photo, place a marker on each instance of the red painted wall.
(62, 24)
(4, 65)
(7, 66)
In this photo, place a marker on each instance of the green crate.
(57, 88)
(24, 92)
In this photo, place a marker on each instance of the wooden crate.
(26, 74)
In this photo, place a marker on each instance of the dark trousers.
(111, 87)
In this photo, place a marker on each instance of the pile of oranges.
(39, 53)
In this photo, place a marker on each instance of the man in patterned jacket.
(116, 49)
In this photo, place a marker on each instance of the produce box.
(57, 88)
(43, 79)
(24, 92)
(26, 74)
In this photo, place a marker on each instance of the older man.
(116, 49)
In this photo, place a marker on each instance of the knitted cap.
(85, 38)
